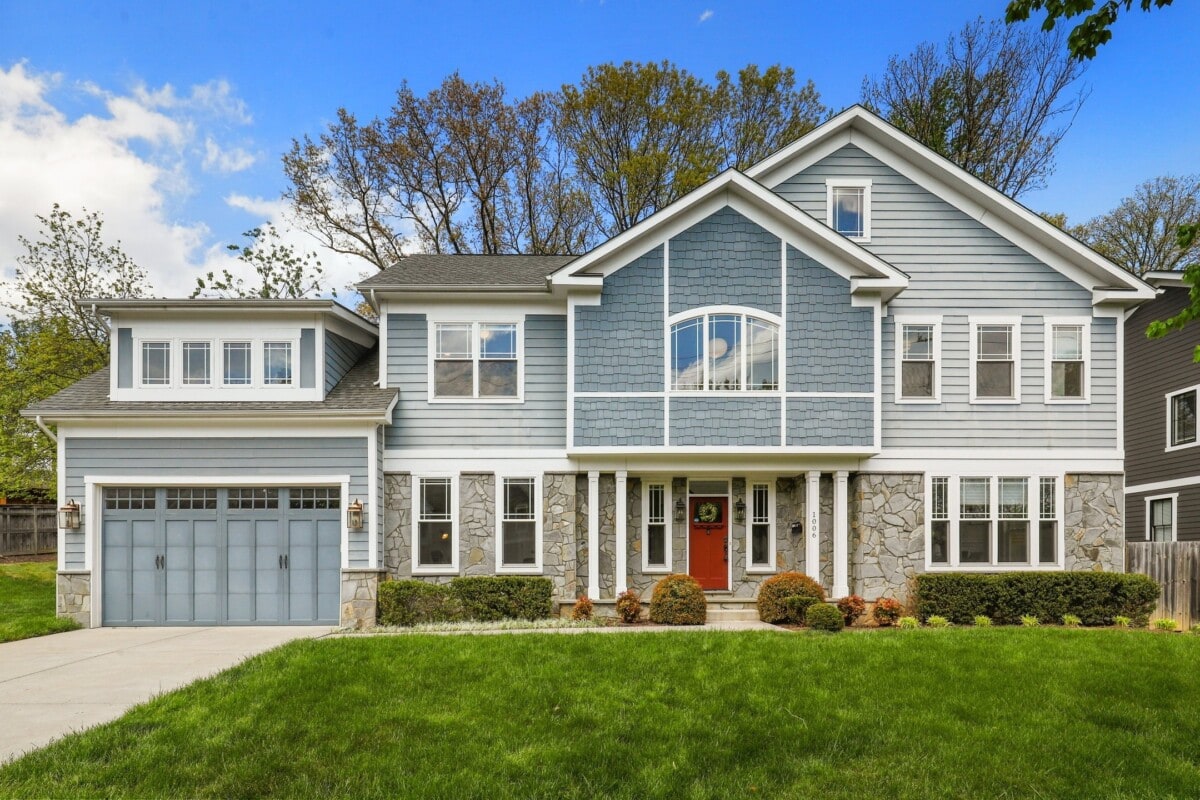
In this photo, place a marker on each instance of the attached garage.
(220, 555)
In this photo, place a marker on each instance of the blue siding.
(540, 421)
(830, 343)
(724, 421)
(618, 344)
(308, 358)
(619, 422)
(830, 421)
(340, 355)
(725, 259)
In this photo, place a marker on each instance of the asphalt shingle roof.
(468, 270)
(356, 392)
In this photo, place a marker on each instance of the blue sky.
(170, 117)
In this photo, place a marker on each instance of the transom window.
(995, 362)
(277, 363)
(1181, 422)
(656, 541)
(252, 499)
(1160, 519)
(436, 542)
(156, 363)
(314, 497)
(518, 547)
(476, 360)
(197, 363)
(191, 499)
(760, 525)
(725, 352)
(119, 498)
(918, 366)
(236, 363)
(849, 207)
(990, 521)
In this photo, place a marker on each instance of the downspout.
(49, 433)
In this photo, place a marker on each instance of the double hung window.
(519, 546)
(1160, 518)
(656, 543)
(435, 534)
(918, 379)
(994, 521)
(476, 360)
(996, 348)
(761, 518)
(1181, 418)
(1068, 362)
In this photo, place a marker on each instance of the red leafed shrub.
(886, 611)
(774, 592)
(583, 608)
(852, 608)
(629, 606)
(678, 600)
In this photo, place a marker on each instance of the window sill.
(995, 401)
(918, 401)
(1068, 401)
(537, 570)
(1171, 448)
(994, 568)
(725, 393)
(426, 572)
(510, 401)
(761, 569)
(656, 570)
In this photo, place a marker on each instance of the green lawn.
(27, 602)
(1008, 713)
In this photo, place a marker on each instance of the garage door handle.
(281, 562)
(287, 562)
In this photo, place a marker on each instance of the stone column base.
(74, 597)
(360, 595)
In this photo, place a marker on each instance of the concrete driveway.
(53, 685)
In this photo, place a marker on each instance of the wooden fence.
(1176, 566)
(28, 530)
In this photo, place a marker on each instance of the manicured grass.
(27, 602)
(904, 714)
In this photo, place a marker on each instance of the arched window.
(724, 352)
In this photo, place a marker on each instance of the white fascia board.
(354, 333)
(1160, 278)
(93, 429)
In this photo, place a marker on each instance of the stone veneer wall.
(360, 595)
(581, 537)
(397, 525)
(887, 533)
(1094, 514)
(74, 596)
(558, 533)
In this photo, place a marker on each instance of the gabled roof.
(426, 272)
(261, 305)
(865, 270)
(992, 208)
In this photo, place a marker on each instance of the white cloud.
(235, 159)
(706, 15)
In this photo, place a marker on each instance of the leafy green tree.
(279, 270)
(995, 100)
(1142, 232)
(1188, 240)
(762, 111)
(1090, 33)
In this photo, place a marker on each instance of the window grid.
(998, 522)
(940, 505)
(1183, 418)
(129, 499)
(314, 497)
(995, 363)
(1067, 368)
(917, 374)
(156, 363)
(760, 524)
(1048, 521)
(849, 210)
(251, 499)
(435, 523)
(518, 521)
(1014, 498)
(724, 353)
(939, 526)
(277, 363)
(476, 360)
(656, 525)
(197, 363)
(191, 499)
(1162, 524)
(236, 363)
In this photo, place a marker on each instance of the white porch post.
(841, 534)
(593, 566)
(812, 533)
(620, 582)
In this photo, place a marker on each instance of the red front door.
(708, 542)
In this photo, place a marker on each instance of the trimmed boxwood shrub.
(1097, 598)
(413, 602)
(825, 617)
(797, 608)
(678, 600)
(489, 598)
(774, 592)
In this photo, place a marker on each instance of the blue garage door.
(215, 556)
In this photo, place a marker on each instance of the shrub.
(629, 606)
(774, 591)
(1097, 598)
(1029, 621)
(886, 611)
(797, 608)
(1071, 621)
(489, 598)
(1196, 628)
(584, 608)
(1121, 622)
(824, 617)
(908, 623)
(852, 608)
(937, 622)
(413, 602)
(981, 621)
(678, 600)
(1164, 624)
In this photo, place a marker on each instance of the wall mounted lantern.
(354, 516)
(739, 511)
(797, 529)
(680, 510)
(68, 516)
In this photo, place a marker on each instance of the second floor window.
(1067, 379)
(724, 352)
(917, 367)
(995, 365)
(476, 360)
(277, 363)
(197, 363)
(848, 205)
(237, 363)
(1181, 426)
(156, 363)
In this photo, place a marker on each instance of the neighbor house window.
(761, 545)
(939, 526)
(156, 363)
(1182, 418)
(277, 363)
(995, 362)
(1068, 370)
(991, 521)
(518, 545)
(1048, 521)
(724, 352)
(476, 360)
(236, 363)
(1160, 519)
(656, 541)
(436, 542)
(197, 363)
(918, 365)
(849, 207)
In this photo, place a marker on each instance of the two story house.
(854, 359)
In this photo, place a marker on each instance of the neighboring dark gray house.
(1162, 450)
(853, 359)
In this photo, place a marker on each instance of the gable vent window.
(848, 208)
(724, 353)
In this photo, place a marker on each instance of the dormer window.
(848, 207)
(237, 363)
(156, 363)
(724, 352)
(277, 363)
(197, 363)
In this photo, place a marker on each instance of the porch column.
(812, 538)
(593, 565)
(841, 534)
(620, 582)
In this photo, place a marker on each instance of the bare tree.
(1142, 232)
(995, 100)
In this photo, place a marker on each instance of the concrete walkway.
(53, 685)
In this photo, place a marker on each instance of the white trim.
(1085, 323)
(666, 247)
(476, 359)
(61, 459)
(593, 534)
(877, 332)
(667, 523)
(974, 321)
(383, 344)
(680, 316)
(1177, 483)
(415, 514)
(850, 183)
(753, 568)
(1170, 448)
(783, 304)
(899, 321)
(704, 314)
(621, 514)
(1120, 354)
(841, 534)
(1174, 498)
(519, 569)
(812, 532)
(571, 394)
(373, 504)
